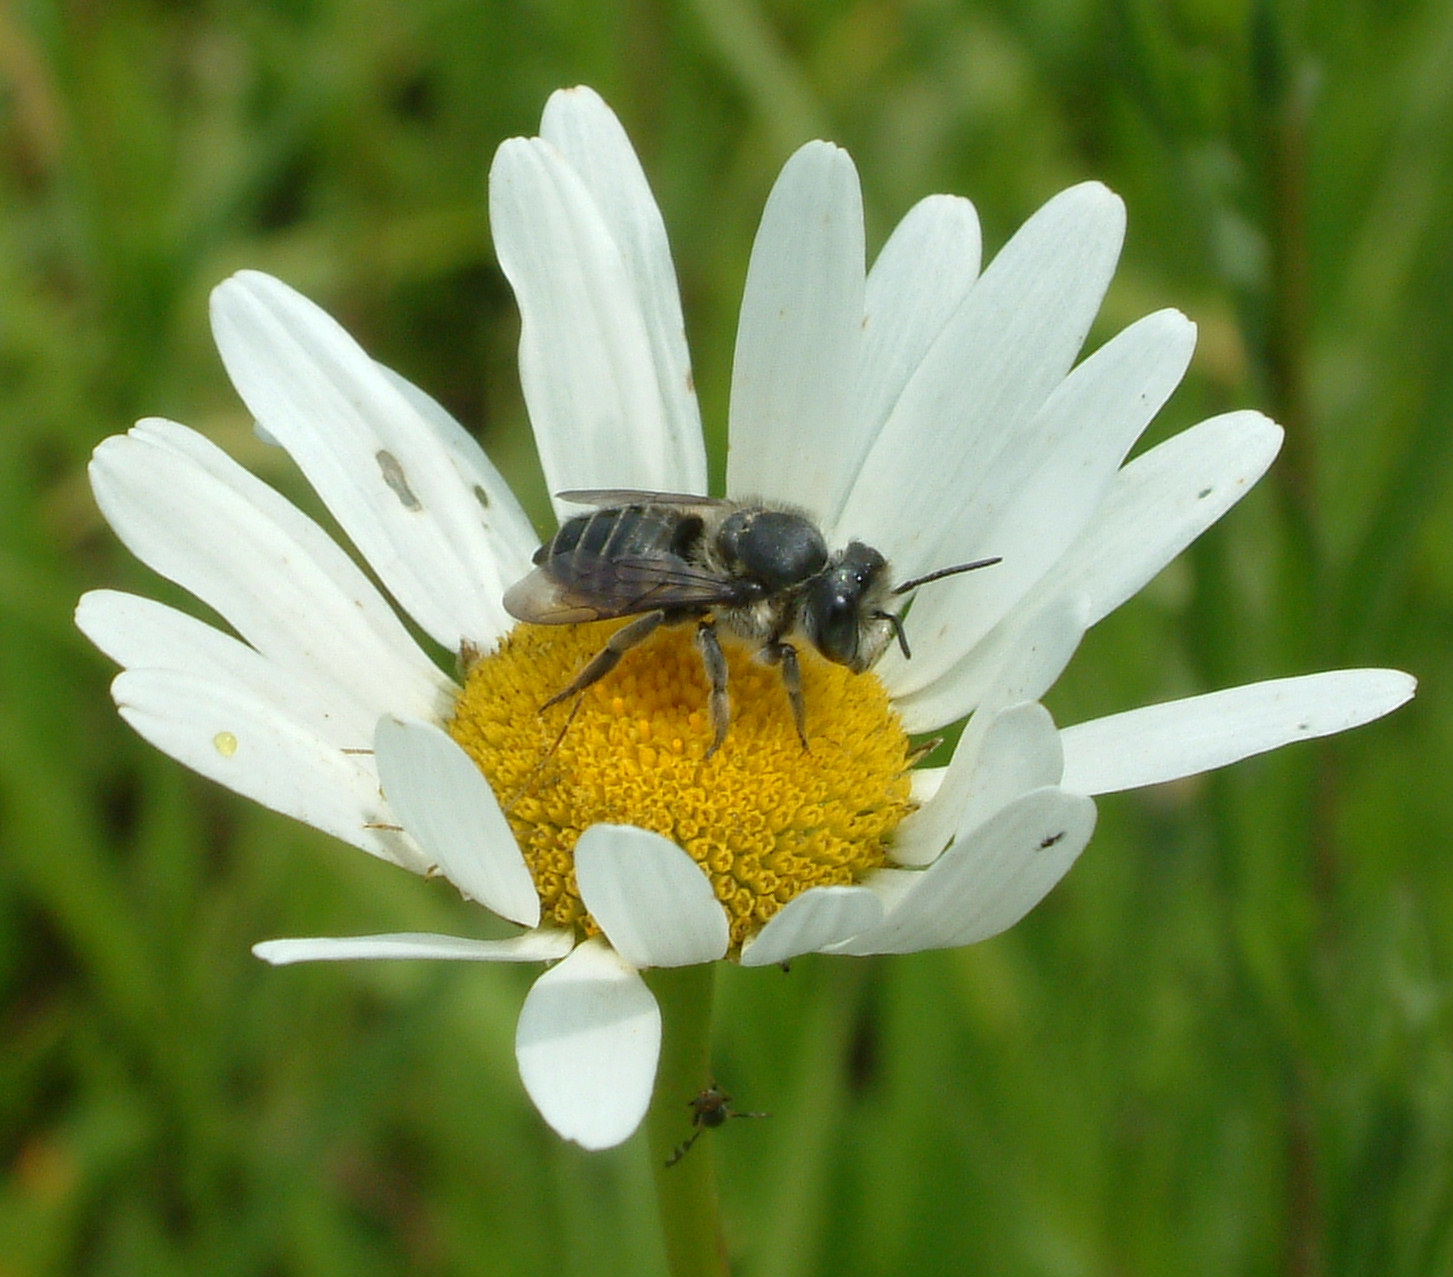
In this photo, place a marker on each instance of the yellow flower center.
(763, 817)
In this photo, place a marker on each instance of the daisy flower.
(926, 408)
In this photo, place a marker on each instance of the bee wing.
(595, 588)
(607, 497)
(542, 600)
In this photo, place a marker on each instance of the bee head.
(842, 610)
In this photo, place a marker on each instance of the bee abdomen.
(625, 532)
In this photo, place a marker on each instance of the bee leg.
(609, 656)
(776, 652)
(544, 758)
(716, 675)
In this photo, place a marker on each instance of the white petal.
(443, 800)
(1161, 502)
(400, 494)
(586, 356)
(230, 735)
(989, 879)
(1180, 738)
(190, 512)
(1018, 661)
(798, 339)
(994, 364)
(919, 279)
(819, 917)
(891, 886)
(1039, 495)
(1017, 751)
(587, 1043)
(926, 782)
(533, 946)
(509, 525)
(1156, 506)
(586, 132)
(140, 633)
(652, 900)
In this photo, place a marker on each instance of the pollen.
(763, 817)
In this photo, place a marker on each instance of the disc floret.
(763, 817)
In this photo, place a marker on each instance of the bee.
(761, 572)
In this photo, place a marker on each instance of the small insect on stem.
(709, 1109)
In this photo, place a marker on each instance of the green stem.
(685, 1191)
(1288, 106)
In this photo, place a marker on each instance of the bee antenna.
(940, 574)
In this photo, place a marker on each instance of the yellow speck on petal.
(764, 818)
(225, 743)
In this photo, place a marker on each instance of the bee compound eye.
(842, 631)
(831, 621)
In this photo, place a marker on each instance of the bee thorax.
(759, 621)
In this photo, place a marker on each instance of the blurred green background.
(1222, 1046)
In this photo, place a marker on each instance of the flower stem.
(685, 1190)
